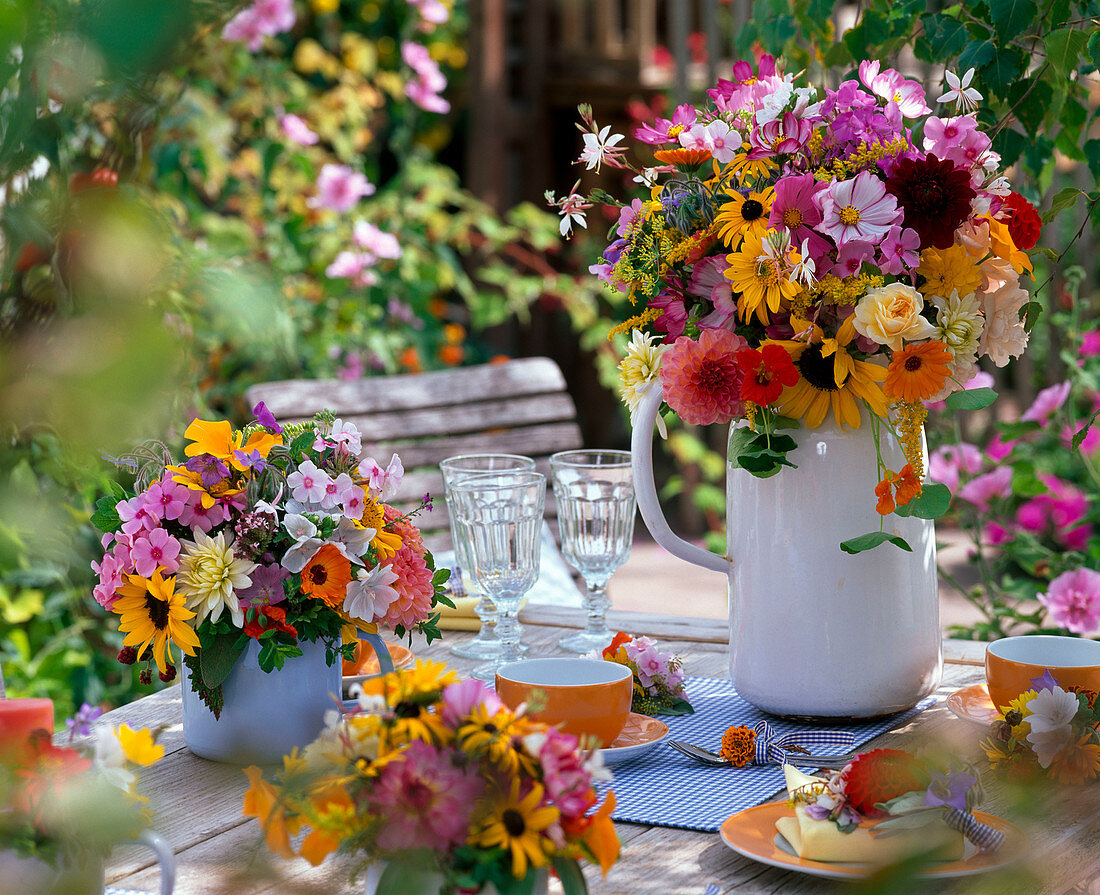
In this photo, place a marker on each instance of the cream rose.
(891, 315)
(1004, 336)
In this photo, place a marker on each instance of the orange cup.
(585, 697)
(1012, 663)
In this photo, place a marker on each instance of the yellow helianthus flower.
(748, 170)
(518, 826)
(743, 216)
(947, 270)
(153, 615)
(498, 735)
(761, 278)
(138, 745)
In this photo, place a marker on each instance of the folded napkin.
(822, 840)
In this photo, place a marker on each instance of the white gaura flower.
(638, 373)
(599, 148)
(209, 576)
(959, 91)
(1051, 714)
(371, 593)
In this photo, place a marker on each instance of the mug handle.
(166, 858)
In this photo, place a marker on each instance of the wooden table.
(198, 803)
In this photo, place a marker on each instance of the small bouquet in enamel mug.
(658, 676)
(433, 775)
(273, 534)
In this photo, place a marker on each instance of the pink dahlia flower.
(414, 580)
(425, 800)
(1073, 601)
(701, 380)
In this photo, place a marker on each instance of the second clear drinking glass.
(500, 518)
(594, 492)
(486, 645)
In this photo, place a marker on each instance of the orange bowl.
(1012, 663)
(585, 697)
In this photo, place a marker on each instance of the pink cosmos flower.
(377, 242)
(701, 380)
(899, 251)
(339, 188)
(907, 96)
(783, 135)
(945, 464)
(355, 266)
(1073, 600)
(425, 800)
(983, 489)
(157, 549)
(708, 281)
(859, 208)
(459, 700)
(674, 319)
(661, 130)
(1048, 402)
(261, 19)
(297, 130)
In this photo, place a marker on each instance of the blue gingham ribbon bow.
(985, 837)
(785, 747)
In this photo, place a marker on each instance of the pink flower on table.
(892, 86)
(370, 594)
(666, 130)
(263, 18)
(859, 208)
(794, 207)
(336, 490)
(900, 250)
(308, 484)
(195, 515)
(425, 799)
(568, 784)
(297, 130)
(983, 489)
(1047, 403)
(1073, 601)
(337, 434)
(376, 242)
(156, 549)
(701, 379)
(1004, 336)
(945, 464)
(459, 700)
(166, 499)
(339, 188)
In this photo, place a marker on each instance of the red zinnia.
(879, 776)
(935, 197)
(1024, 223)
(768, 371)
(701, 380)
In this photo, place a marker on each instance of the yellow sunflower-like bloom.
(744, 216)
(830, 379)
(518, 826)
(497, 735)
(138, 745)
(760, 278)
(153, 615)
(948, 270)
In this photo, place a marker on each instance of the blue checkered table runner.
(668, 789)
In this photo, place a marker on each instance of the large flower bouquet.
(805, 253)
(436, 774)
(272, 534)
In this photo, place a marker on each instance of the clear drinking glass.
(486, 645)
(499, 515)
(594, 492)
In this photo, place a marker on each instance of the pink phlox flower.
(431, 11)
(383, 483)
(336, 490)
(683, 116)
(942, 133)
(893, 87)
(155, 550)
(353, 502)
(339, 433)
(859, 208)
(722, 141)
(266, 588)
(425, 798)
(1073, 601)
(900, 250)
(946, 463)
(694, 137)
(166, 499)
(339, 188)
(377, 242)
(460, 700)
(308, 484)
(135, 515)
(195, 515)
(110, 570)
(852, 255)
(369, 596)
(262, 19)
(1048, 402)
(983, 489)
(297, 130)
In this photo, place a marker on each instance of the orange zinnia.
(917, 372)
(327, 576)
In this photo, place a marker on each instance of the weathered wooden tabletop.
(198, 803)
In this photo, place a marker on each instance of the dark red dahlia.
(1024, 223)
(935, 197)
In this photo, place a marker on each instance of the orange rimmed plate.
(640, 734)
(973, 704)
(752, 833)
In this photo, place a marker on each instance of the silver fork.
(705, 756)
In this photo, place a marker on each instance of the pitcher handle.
(641, 451)
(166, 858)
(385, 662)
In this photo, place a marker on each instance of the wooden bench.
(515, 407)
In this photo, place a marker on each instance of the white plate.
(640, 734)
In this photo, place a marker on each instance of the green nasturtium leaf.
(932, 502)
(971, 399)
(871, 540)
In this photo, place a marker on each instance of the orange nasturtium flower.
(896, 490)
(262, 802)
(600, 836)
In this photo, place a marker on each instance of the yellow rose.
(891, 315)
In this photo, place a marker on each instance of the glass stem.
(486, 611)
(509, 631)
(596, 604)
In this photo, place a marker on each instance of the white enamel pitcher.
(816, 632)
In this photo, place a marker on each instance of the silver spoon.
(705, 756)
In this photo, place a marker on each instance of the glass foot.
(481, 649)
(583, 642)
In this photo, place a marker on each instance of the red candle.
(20, 717)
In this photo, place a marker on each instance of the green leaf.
(1065, 47)
(1018, 428)
(930, 504)
(946, 34)
(971, 399)
(1032, 108)
(1062, 200)
(1002, 70)
(978, 54)
(871, 540)
(301, 444)
(105, 517)
(1011, 17)
(217, 657)
(1079, 435)
(569, 872)
(784, 422)
(1092, 156)
(1094, 49)
(740, 439)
